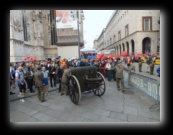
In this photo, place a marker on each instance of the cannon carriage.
(84, 79)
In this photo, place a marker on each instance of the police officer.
(39, 84)
(140, 64)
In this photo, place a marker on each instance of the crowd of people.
(28, 75)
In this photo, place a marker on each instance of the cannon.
(84, 79)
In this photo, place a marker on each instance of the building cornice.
(18, 40)
(70, 44)
(51, 47)
(101, 34)
(114, 14)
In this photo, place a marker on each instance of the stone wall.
(38, 34)
(146, 84)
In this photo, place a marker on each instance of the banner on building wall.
(64, 19)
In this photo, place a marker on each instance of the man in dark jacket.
(52, 73)
(60, 72)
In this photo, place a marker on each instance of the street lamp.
(78, 15)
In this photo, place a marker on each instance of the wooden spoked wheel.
(102, 85)
(74, 90)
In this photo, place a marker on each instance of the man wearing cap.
(132, 67)
(119, 75)
(39, 84)
(140, 64)
(152, 61)
(64, 81)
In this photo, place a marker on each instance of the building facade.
(30, 35)
(101, 41)
(34, 33)
(134, 31)
(67, 41)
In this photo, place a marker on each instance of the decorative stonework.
(41, 36)
(33, 15)
(16, 41)
(35, 35)
(29, 37)
(36, 16)
(38, 35)
(40, 16)
(17, 25)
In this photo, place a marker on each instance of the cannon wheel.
(74, 90)
(101, 90)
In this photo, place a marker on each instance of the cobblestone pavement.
(113, 106)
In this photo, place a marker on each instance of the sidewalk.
(28, 94)
(113, 106)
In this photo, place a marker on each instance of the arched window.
(146, 45)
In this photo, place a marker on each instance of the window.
(119, 35)
(147, 23)
(53, 27)
(25, 29)
(110, 40)
(126, 30)
(114, 38)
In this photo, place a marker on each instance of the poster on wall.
(64, 19)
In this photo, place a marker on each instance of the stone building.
(132, 31)
(30, 35)
(95, 45)
(34, 33)
(68, 41)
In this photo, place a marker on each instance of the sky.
(95, 21)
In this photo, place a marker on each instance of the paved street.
(113, 106)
